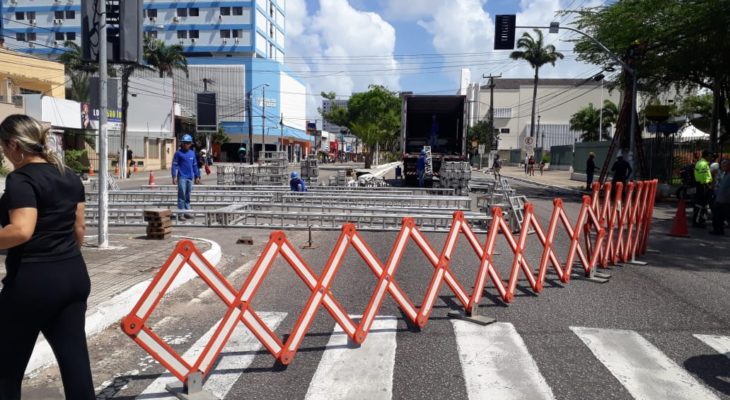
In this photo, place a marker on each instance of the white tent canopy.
(689, 132)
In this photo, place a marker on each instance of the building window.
(70, 14)
(194, 34)
(194, 12)
(182, 34)
(19, 16)
(237, 10)
(58, 14)
(30, 36)
(20, 36)
(71, 36)
(504, 130)
(225, 33)
(60, 36)
(182, 12)
(30, 14)
(152, 13)
(237, 33)
(225, 10)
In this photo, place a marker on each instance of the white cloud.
(338, 48)
(409, 9)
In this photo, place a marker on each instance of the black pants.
(589, 180)
(51, 298)
(720, 214)
(700, 208)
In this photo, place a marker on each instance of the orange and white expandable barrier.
(627, 228)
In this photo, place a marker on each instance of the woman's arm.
(20, 229)
(80, 224)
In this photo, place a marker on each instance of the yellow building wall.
(22, 71)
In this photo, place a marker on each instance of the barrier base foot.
(601, 275)
(477, 319)
(180, 392)
(637, 262)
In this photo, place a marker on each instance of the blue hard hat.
(294, 174)
(187, 138)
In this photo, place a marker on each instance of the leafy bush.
(73, 158)
(546, 158)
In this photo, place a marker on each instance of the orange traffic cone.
(91, 169)
(679, 226)
(151, 182)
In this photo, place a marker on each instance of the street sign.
(529, 142)
(481, 149)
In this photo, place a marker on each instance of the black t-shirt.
(55, 196)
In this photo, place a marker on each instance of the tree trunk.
(369, 157)
(716, 104)
(534, 103)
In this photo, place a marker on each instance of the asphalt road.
(579, 340)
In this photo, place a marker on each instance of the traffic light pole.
(103, 236)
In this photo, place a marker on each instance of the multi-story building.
(248, 35)
(327, 106)
(557, 101)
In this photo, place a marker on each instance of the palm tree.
(165, 59)
(537, 54)
(588, 119)
(78, 71)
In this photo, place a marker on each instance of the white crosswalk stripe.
(238, 354)
(497, 364)
(364, 373)
(717, 342)
(642, 368)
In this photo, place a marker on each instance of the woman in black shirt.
(47, 285)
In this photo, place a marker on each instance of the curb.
(544, 184)
(111, 311)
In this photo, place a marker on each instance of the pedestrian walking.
(296, 184)
(130, 162)
(421, 168)
(703, 179)
(47, 285)
(721, 205)
(531, 166)
(242, 154)
(542, 166)
(590, 169)
(621, 172)
(527, 164)
(185, 172)
(497, 166)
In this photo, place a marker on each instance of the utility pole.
(491, 104)
(263, 123)
(103, 133)
(249, 148)
(281, 133)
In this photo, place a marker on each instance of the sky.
(343, 46)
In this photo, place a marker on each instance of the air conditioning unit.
(237, 40)
(224, 41)
(175, 19)
(59, 42)
(182, 42)
(220, 18)
(13, 1)
(31, 44)
(17, 101)
(31, 21)
(153, 19)
(192, 40)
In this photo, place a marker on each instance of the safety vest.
(702, 172)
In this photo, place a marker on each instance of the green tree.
(78, 71)
(165, 59)
(588, 119)
(480, 133)
(671, 43)
(373, 116)
(535, 52)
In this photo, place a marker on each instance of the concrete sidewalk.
(552, 178)
(119, 275)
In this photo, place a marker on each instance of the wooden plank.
(157, 212)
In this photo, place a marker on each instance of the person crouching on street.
(185, 171)
(296, 184)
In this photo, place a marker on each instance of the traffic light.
(504, 32)
(124, 30)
